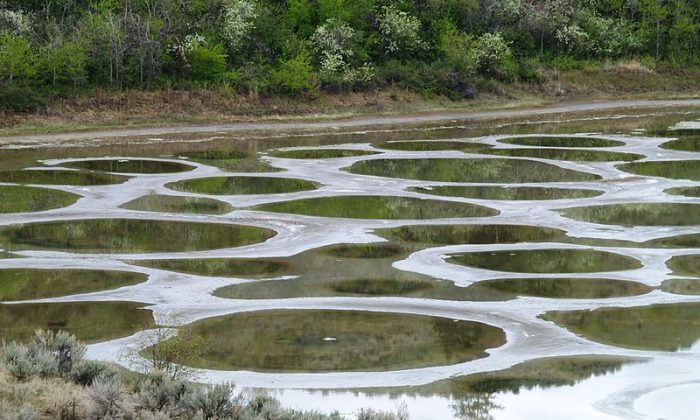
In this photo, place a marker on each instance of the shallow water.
(129, 236)
(130, 166)
(668, 327)
(492, 170)
(319, 153)
(557, 141)
(674, 169)
(60, 177)
(340, 259)
(317, 341)
(175, 204)
(553, 261)
(242, 185)
(89, 321)
(508, 193)
(378, 207)
(21, 199)
(26, 284)
(578, 155)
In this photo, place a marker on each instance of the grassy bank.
(102, 109)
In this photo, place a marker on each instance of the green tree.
(296, 76)
(64, 64)
(17, 61)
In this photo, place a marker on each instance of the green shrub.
(493, 56)
(88, 371)
(212, 402)
(207, 63)
(159, 392)
(296, 76)
(109, 399)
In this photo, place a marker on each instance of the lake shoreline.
(515, 110)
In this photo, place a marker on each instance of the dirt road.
(361, 121)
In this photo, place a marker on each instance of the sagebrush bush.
(87, 372)
(212, 402)
(109, 399)
(160, 393)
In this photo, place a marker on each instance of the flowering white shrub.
(333, 41)
(190, 43)
(399, 31)
(491, 53)
(15, 22)
(359, 76)
(573, 38)
(238, 21)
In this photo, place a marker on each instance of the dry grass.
(51, 398)
(106, 109)
(629, 66)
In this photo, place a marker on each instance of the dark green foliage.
(442, 47)
(208, 63)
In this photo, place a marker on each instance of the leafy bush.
(88, 371)
(48, 354)
(19, 363)
(159, 392)
(212, 402)
(109, 398)
(399, 32)
(493, 56)
(65, 347)
(296, 76)
(207, 63)
(238, 21)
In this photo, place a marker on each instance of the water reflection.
(470, 234)
(241, 185)
(28, 283)
(130, 166)
(319, 153)
(547, 261)
(508, 193)
(242, 159)
(20, 199)
(565, 288)
(575, 155)
(561, 141)
(89, 321)
(433, 145)
(378, 207)
(176, 204)
(685, 191)
(685, 265)
(674, 169)
(666, 327)
(687, 143)
(60, 177)
(327, 340)
(638, 214)
(338, 270)
(129, 236)
(470, 170)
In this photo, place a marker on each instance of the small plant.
(110, 399)
(213, 402)
(160, 393)
(88, 371)
(169, 350)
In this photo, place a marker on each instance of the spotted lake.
(528, 267)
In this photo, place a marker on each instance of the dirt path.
(351, 122)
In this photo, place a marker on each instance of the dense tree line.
(298, 47)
